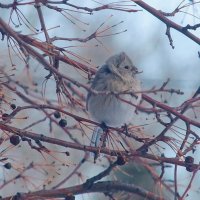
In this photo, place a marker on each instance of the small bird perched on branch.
(115, 77)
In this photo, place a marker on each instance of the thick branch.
(105, 186)
(168, 22)
(55, 141)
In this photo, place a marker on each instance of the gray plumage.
(117, 75)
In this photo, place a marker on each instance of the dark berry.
(162, 155)
(17, 196)
(120, 160)
(7, 165)
(144, 150)
(62, 122)
(190, 168)
(57, 115)
(14, 139)
(13, 106)
(5, 116)
(67, 153)
(189, 160)
(70, 197)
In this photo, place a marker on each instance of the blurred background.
(142, 37)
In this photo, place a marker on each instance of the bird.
(115, 81)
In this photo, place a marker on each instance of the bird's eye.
(126, 67)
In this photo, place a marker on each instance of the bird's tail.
(98, 140)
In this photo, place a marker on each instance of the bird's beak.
(137, 71)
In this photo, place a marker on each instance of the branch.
(194, 27)
(156, 139)
(169, 37)
(24, 42)
(171, 110)
(110, 6)
(168, 22)
(55, 141)
(104, 186)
